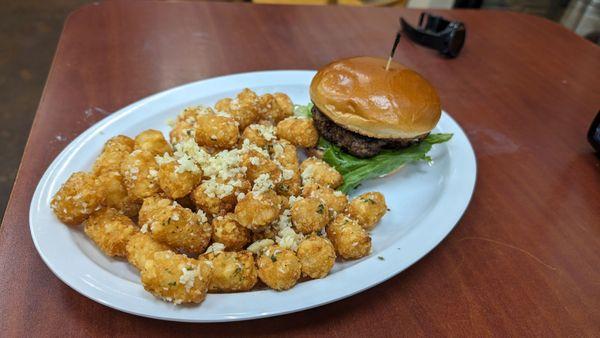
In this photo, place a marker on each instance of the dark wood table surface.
(524, 259)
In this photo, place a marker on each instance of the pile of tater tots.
(224, 204)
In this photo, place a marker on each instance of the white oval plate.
(425, 201)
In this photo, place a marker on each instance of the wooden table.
(525, 258)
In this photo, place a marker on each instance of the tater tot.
(153, 141)
(269, 108)
(174, 225)
(309, 215)
(244, 108)
(229, 232)
(218, 197)
(317, 171)
(335, 200)
(285, 153)
(116, 196)
(140, 174)
(175, 182)
(110, 230)
(349, 239)
(259, 134)
(367, 209)
(176, 278)
(114, 152)
(119, 143)
(77, 198)
(285, 103)
(285, 156)
(258, 164)
(257, 210)
(232, 271)
(141, 247)
(184, 127)
(317, 256)
(182, 131)
(299, 131)
(279, 268)
(290, 184)
(190, 114)
(217, 131)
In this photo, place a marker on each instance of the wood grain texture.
(522, 261)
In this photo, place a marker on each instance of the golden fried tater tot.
(258, 164)
(285, 104)
(174, 225)
(279, 268)
(367, 209)
(153, 141)
(140, 174)
(115, 150)
(232, 271)
(317, 256)
(141, 247)
(286, 158)
(285, 153)
(182, 131)
(244, 108)
(335, 200)
(119, 143)
(349, 239)
(77, 198)
(257, 210)
(217, 131)
(317, 171)
(299, 131)
(309, 215)
(110, 230)
(177, 183)
(259, 134)
(218, 197)
(269, 108)
(229, 232)
(176, 278)
(116, 196)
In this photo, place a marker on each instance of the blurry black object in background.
(468, 3)
(447, 37)
(593, 135)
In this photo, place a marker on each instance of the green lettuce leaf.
(355, 170)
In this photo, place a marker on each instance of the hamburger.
(363, 108)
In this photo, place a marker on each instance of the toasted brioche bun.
(360, 95)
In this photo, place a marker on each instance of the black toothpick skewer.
(396, 41)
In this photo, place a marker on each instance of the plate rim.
(37, 200)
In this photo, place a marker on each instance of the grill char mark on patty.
(354, 143)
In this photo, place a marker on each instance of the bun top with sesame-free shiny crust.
(360, 95)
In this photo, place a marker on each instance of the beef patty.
(354, 143)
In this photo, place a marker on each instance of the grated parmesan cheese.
(287, 174)
(307, 174)
(258, 246)
(263, 183)
(294, 199)
(201, 216)
(267, 132)
(215, 247)
(255, 160)
(187, 277)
